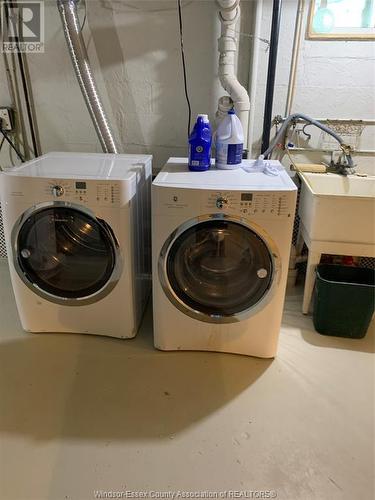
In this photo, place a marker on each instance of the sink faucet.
(344, 165)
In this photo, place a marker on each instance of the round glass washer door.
(217, 270)
(65, 254)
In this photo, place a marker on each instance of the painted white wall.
(134, 48)
(335, 79)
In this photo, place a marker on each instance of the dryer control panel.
(84, 192)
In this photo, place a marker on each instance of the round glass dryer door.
(66, 255)
(218, 269)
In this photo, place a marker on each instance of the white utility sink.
(337, 216)
(337, 208)
(339, 185)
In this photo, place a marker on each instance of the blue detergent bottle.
(200, 141)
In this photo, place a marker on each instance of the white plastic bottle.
(229, 142)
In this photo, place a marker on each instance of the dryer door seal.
(65, 254)
(218, 270)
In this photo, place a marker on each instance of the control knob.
(57, 191)
(220, 202)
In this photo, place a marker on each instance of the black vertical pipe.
(272, 60)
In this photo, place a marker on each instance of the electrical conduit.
(271, 74)
(82, 68)
(253, 76)
(295, 55)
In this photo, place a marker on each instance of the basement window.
(341, 19)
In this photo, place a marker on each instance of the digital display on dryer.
(246, 196)
(80, 185)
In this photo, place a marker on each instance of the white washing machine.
(221, 243)
(77, 228)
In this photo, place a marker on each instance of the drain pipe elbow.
(85, 77)
(240, 99)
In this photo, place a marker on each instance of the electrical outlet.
(6, 119)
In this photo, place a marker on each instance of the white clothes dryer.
(77, 228)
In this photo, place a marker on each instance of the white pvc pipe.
(224, 105)
(227, 4)
(253, 76)
(229, 14)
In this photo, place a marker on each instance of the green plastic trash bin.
(344, 300)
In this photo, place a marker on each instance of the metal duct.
(82, 68)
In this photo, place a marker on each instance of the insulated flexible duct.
(82, 68)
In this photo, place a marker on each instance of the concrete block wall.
(134, 48)
(335, 79)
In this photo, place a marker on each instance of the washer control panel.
(262, 203)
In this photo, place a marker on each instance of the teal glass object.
(324, 20)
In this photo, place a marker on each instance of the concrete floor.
(81, 414)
